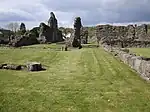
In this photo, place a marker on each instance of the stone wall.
(23, 40)
(124, 34)
(128, 43)
(84, 36)
(140, 64)
(50, 33)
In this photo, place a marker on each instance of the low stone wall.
(128, 43)
(138, 63)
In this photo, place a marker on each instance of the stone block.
(34, 66)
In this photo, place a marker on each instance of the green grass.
(141, 51)
(86, 80)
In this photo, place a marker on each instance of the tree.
(13, 26)
(10, 26)
(16, 26)
(22, 28)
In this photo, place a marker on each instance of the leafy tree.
(22, 28)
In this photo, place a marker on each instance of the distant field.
(85, 80)
(141, 51)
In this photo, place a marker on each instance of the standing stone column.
(77, 26)
(52, 23)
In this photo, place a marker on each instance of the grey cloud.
(72, 5)
(92, 12)
(109, 11)
(123, 11)
(12, 16)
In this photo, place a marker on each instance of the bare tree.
(10, 26)
(13, 26)
(16, 26)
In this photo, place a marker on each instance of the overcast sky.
(92, 12)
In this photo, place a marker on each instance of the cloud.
(104, 11)
(15, 15)
(92, 12)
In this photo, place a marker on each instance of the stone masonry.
(140, 64)
(123, 36)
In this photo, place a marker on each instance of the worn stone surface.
(34, 66)
(45, 33)
(42, 34)
(23, 37)
(141, 32)
(50, 32)
(123, 36)
(140, 64)
(52, 23)
(77, 27)
(31, 66)
(23, 40)
(84, 36)
(1, 65)
(10, 66)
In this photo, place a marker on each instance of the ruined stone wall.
(122, 34)
(140, 64)
(23, 40)
(109, 32)
(131, 31)
(141, 32)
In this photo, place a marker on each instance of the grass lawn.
(85, 80)
(141, 51)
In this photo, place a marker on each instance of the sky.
(92, 12)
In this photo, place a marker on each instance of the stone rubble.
(34, 66)
(31, 66)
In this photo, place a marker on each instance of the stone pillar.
(52, 23)
(77, 26)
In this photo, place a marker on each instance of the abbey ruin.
(124, 36)
(118, 40)
(48, 33)
(119, 36)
